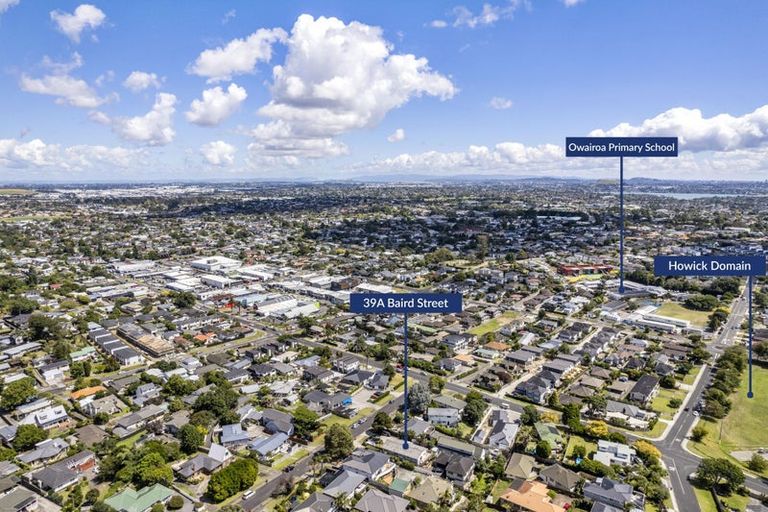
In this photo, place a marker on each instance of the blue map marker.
(600, 147)
(405, 304)
(718, 266)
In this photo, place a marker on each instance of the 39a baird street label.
(709, 265)
(377, 303)
(621, 146)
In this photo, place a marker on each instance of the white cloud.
(155, 128)
(99, 117)
(339, 77)
(397, 135)
(218, 153)
(571, 3)
(216, 105)
(499, 103)
(438, 24)
(723, 132)
(139, 80)
(229, 15)
(37, 154)
(67, 89)
(84, 16)
(505, 155)
(488, 15)
(238, 57)
(7, 4)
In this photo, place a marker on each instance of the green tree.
(436, 384)
(722, 473)
(18, 392)
(698, 433)
(190, 438)
(530, 415)
(338, 442)
(419, 398)
(27, 436)
(757, 463)
(382, 422)
(305, 421)
(152, 469)
(543, 449)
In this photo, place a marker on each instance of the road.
(303, 466)
(680, 462)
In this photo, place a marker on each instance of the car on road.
(289, 468)
(247, 494)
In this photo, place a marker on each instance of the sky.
(161, 90)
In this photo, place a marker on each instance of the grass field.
(498, 488)
(743, 428)
(691, 376)
(16, 192)
(661, 402)
(707, 502)
(494, 324)
(675, 310)
(287, 461)
(365, 411)
(573, 441)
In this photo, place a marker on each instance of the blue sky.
(371, 88)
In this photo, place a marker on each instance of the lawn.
(498, 488)
(661, 402)
(494, 324)
(132, 440)
(743, 428)
(16, 192)
(287, 461)
(691, 376)
(675, 310)
(707, 502)
(573, 441)
(333, 419)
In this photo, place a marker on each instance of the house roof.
(560, 477)
(138, 501)
(520, 466)
(345, 483)
(377, 501)
(317, 502)
(531, 496)
(430, 490)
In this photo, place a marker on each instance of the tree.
(80, 369)
(700, 302)
(382, 422)
(597, 429)
(529, 416)
(757, 463)
(152, 469)
(305, 421)
(61, 350)
(183, 299)
(338, 442)
(716, 319)
(436, 384)
(543, 449)
(18, 392)
(190, 438)
(698, 433)
(92, 496)
(419, 398)
(597, 403)
(720, 472)
(647, 451)
(176, 502)
(236, 477)
(579, 451)
(21, 306)
(27, 436)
